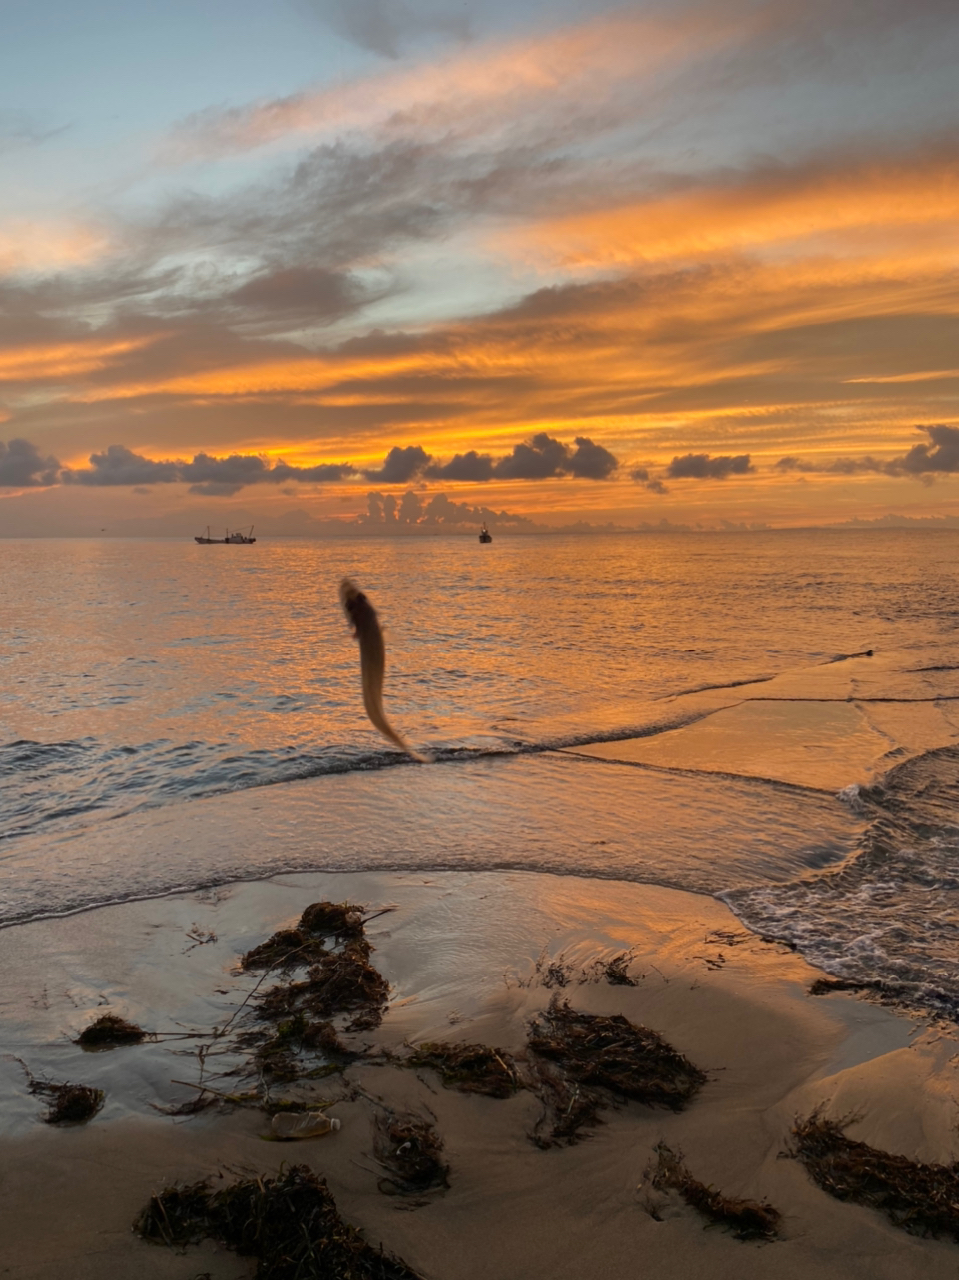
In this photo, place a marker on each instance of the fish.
(367, 631)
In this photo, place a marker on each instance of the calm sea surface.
(173, 716)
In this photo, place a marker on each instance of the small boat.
(485, 535)
(234, 538)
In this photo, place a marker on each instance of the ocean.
(768, 717)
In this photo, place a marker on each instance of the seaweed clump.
(299, 1010)
(303, 945)
(567, 1108)
(68, 1103)
(611, 1052)
(410, 1149)
(341, 982)
(922, 1199)
(109, 1030)
(616, 970)
(877, 986)
(470, 1068)
(746, 1219)
(289, 1223)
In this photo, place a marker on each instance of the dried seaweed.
(339, 982)
(568, 1107)
(68, 1103)
(611, 1052)
(876, 986)
(109, 1030)
(615, 971)
(192, 1107)
(289, 1223)
(343, 982)
(304, 944)
(333, 920)
(922, 1199)
(747, 1219)
(287, 947)
(411, 1150)
(471, 1068)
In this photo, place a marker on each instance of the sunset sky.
(397, 262)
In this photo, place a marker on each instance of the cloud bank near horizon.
(23, 466)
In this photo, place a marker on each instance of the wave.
(532, 812)
(46, 785)
(887, 920)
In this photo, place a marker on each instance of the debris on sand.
(68, 1103)
(304, 944)
(109, 1030)
(615, 970)
(289, 1223)
(287, 947)
(746, 1219)
(611, 1052)
(410, 1149)
(568, 1107)
(290, 1028)
(333, 920)
(892, 991)
(922, 1199)
(295, 1126)
(343, 982)
(471, 1068)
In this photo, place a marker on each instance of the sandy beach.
(467, 958)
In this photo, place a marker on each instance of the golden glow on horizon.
(714, 362)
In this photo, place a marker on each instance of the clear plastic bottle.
(289, 1125)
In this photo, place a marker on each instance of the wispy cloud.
(387, 26)
(522, 86)
(20, 128)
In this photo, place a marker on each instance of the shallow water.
(174, 716)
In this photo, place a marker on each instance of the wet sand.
(460, 951)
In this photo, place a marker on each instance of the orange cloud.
(475, 89)
(761, 357)
(59, 361)
(845, 213)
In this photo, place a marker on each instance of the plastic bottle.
(289, 1125)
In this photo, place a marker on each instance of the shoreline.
(460, 950)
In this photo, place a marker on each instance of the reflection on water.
(138, 676)
(146, 672)
(550, 812)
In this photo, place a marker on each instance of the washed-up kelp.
(613, 1053)
(277, 1052)
(922, 1199)
(68, 1103)
(471, 1068)
(109, 1030)
(341, 982)
(878, 988)
(746, 1219)
(616, 970)
(568, 1107)
(304, 944)
(289, 1223)
(292, 1032)
(410, 1149)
